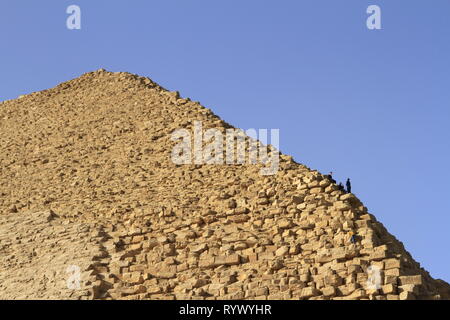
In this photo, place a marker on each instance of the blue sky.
(372, 105)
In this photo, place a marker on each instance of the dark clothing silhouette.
(341, 186)
(349, 186)
(330, 177)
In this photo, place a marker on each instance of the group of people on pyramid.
(341, 187)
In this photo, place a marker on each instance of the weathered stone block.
(329, 291)
(389, 289)
(309, 292)
(406, 295)
(391, 264)
(409, 288)
(415, 280)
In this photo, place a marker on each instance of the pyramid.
(92, 206)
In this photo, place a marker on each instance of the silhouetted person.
(352, 237)
(349, 186)
(341, 187)
(330, 177)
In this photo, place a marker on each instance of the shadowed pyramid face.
(126, 221)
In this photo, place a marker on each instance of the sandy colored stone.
(87, 180)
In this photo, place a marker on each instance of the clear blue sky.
(370, 105)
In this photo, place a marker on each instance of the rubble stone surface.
(86, 180)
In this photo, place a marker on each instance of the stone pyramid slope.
(92, 207)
